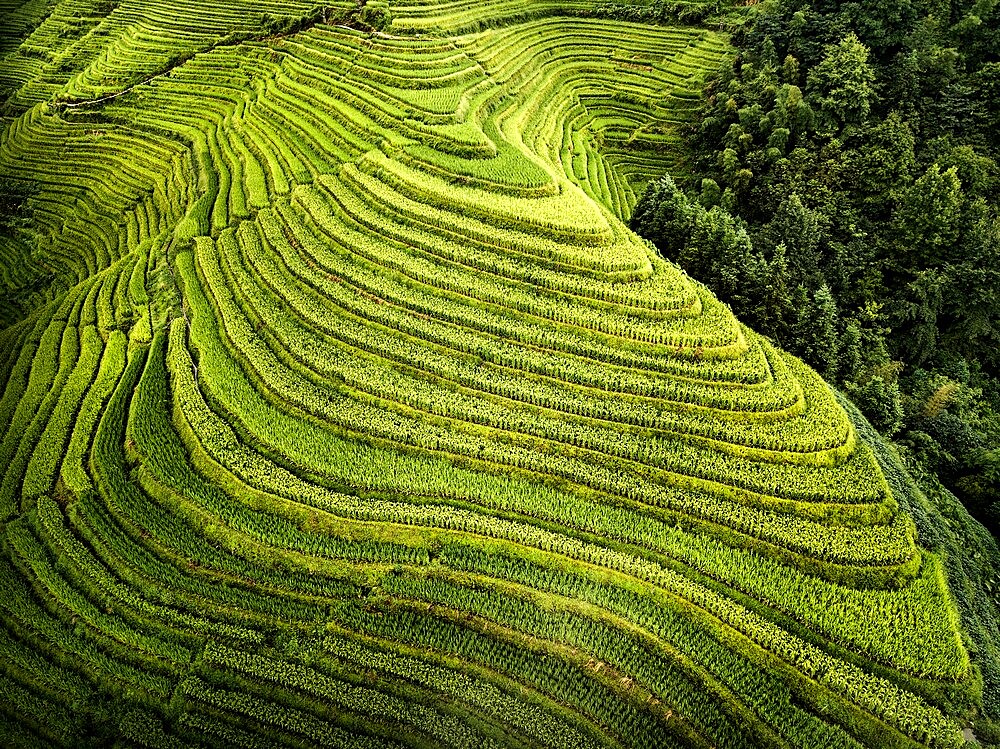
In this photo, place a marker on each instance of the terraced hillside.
(341, 408)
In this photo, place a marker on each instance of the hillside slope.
(341, 408)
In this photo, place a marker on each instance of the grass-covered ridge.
(349, 412)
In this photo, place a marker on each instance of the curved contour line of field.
(355, 415)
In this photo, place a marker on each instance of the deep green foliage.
(855, 145)
(14, 209)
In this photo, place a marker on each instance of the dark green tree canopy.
(847, 183)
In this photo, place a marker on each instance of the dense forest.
(843, 201)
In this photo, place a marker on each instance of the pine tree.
(843, 83)
(663, 215)
(826, 342)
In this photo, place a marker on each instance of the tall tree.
(842, 84)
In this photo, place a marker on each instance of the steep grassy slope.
(350, 413)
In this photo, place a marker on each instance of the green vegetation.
(858, 146)
(843, 202)
(340, 407)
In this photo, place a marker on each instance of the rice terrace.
(340, 406)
